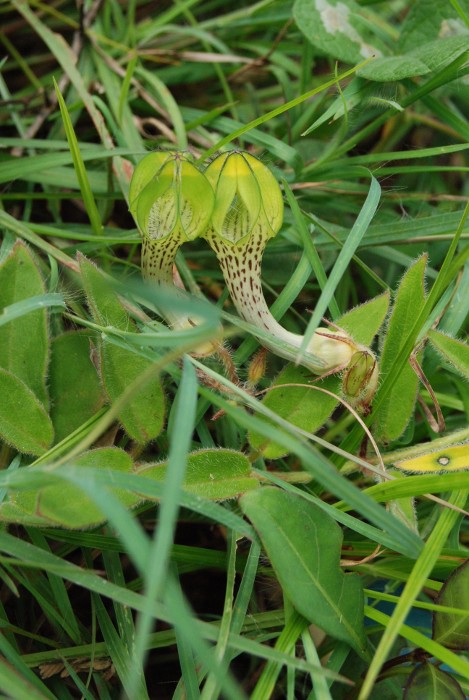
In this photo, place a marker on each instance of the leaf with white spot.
(338, 28)
(454, 458)
(429, 20)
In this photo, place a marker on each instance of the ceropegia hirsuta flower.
(248, 211)
(171, 202)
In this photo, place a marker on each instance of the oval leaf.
(63, 503)
(24, 341)
(388, 68)
(453, 630)
(303, 544)
(143, 415)
(303, 406)
(103, 300)
(73, 382)
(428, 681)
(336, 27)
(211, 473)
(24, 422)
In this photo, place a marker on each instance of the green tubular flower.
(248, 211)
(171, 202)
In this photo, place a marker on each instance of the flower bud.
(256, 369)
(168, 194)
(247, 198)
(360, 380)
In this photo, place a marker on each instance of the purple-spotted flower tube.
(248, 211)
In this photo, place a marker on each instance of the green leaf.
(432, 36)
(434, 55)
(24, 341)
(24, 422)
(143, 415)
(74, 384)
(63, 503)
(85, 187)
(364, 321)
(216, 474)
(396, 410)
(337, 28)
(427, 20)
(428, 681)
(453, 630)
(390, 68)
(303, 545)
(441, 52)
(303, 406)
(453, 350)
(103, 300)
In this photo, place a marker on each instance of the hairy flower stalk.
(248, 211)
(171, 202)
